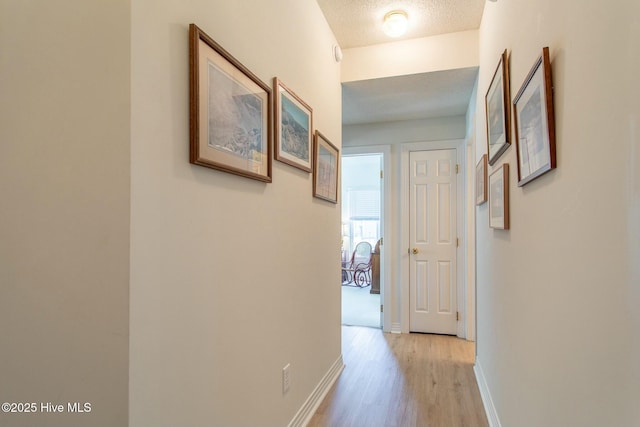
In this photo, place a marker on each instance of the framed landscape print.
(481, 180)
(325, 169)
(293, 126)
(499, 198)
(534, 122)
(230, 112)
(497, 106)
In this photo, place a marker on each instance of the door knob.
(415, 251)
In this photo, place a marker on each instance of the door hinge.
(457, 242)
(457, 169)
(457, 316)
(381, 174)
(381, 241)
(381, 308)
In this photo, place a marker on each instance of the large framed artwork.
(499, 198)
(230, 112)
(497, 106)
(325, 169)
(293, 128)
(534, 122)
(481, 180)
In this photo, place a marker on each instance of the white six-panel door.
(432, 238)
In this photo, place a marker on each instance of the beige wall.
(558, 314)
(435, 129)
(423, 55)
(64, 209)
(231, 279)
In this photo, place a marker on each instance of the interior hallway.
(403, 380)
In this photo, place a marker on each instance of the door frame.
(461, 262)
(385, 202)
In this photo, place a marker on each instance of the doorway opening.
(362, 230)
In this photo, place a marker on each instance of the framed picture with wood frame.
(481, 180)
(230, 112)
(325, 169)
(534, 122)
(499, 198)
(293, 128)
(497, 106)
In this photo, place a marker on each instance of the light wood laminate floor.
(403, 380)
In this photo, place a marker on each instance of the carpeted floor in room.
(360, 307)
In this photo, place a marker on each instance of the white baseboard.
(487, 401)
(312, 403)
(396, 328)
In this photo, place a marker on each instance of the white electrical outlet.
(286, 378)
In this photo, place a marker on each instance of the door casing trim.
(385, 258)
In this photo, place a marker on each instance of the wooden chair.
(358, 271)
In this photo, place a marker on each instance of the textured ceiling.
(417, 96)
(359, 22)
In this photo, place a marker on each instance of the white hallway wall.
(558, 294)
(231, 279)
(64, 209)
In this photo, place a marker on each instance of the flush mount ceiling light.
(395, 23)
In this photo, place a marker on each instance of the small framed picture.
(499, 198)
(497, 107)
(294, 128)
(325, 169)
(230, 112)
(534, 122)
(481, 180)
